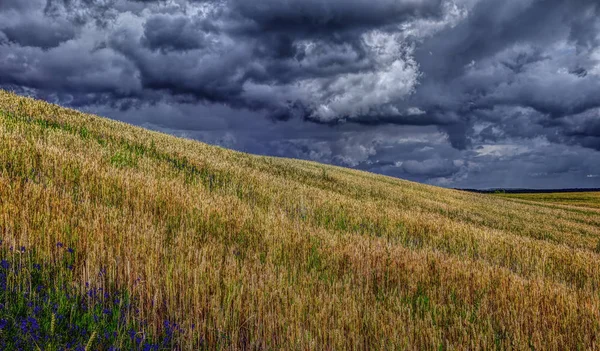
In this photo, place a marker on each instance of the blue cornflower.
(23, 326)
(3, 323)
(37, 266)
(4, 264)
(22, 248)
(33, 323)
(59, 244)
(71, 250)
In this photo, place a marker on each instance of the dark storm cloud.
(14, 5)
(431, 168)
(170, 33)
(443, 91)
(325, 17)
(533, 54)
(42, 35)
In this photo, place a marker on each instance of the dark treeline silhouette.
(531, 191)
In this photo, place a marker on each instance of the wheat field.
(249, 252)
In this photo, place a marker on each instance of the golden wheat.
(268, 253)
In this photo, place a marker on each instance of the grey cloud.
(492, 26)
(514, 53)
(173, 33)
(43, 35)
(431, 168)
(326, 16)
(583, 128)
(18, 5)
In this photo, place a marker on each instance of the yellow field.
(269, 253)
(583, 200)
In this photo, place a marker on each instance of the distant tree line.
(529, 191)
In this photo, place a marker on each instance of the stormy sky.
(457, 93)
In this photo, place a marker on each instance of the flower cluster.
(41, 309)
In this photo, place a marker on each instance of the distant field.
(248, 252)
(589, 200)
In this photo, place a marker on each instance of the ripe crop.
(249, 252)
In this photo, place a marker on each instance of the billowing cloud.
(452, 92)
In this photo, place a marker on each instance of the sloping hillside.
(248, 252)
